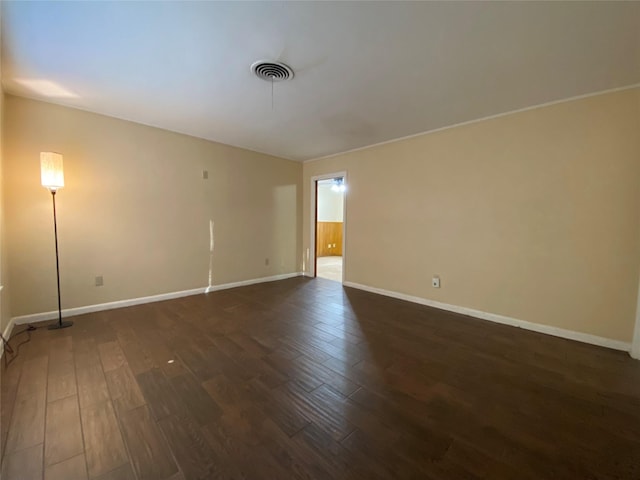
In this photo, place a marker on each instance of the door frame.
(314, 220)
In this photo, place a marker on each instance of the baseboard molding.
(7, 335)
(253, 281)
(492, 317)
(69, 312)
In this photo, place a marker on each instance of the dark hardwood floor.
(305, 379)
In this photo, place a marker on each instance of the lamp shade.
(51, 172)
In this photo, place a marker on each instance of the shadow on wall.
(211, 245)
(276, 251)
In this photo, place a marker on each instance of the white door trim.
(312, 220)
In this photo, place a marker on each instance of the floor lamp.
(52, 177)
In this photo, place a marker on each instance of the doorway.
(329, 227)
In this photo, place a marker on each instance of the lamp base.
(56, 326)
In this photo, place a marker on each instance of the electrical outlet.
(266, 262)
(205, 174)
(435, 281)
(99, 281)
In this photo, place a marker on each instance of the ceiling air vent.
(272, 71)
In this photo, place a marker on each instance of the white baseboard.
(492, 317)
(7, 335)
(69, 312)
(253, 281)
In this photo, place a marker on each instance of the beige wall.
(330, 204)
(5, 314)
(534, 215)
(136, 209)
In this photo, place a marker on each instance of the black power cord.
(5, 342)
(14, 351)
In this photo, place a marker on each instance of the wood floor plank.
(150, 456)
(63, 433)
(200, 406)
(161, 397)
(192, 452)
(125, 472)
(124, 390)
(104, 447)
(279, 408)
(223, 443)
(304, 347)
(111, 355)
(61, 386)
(9, 380)
(335, 456)
(137, 356)
(258, 368)
(74, 468)
(34, 375)
(63, 367)
(25, 464)
(163, 356)
(249, 345)
(324, 414)
(92, 386)
(294, 455)
(229, 395)
(326, 375)
(385, 462)
(464, 461)
(60, 347)
(27, 423)
(226, 365)
(292, 370)
(195, 360)
(179, 476)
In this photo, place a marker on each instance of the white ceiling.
(364, 72)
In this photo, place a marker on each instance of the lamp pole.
(60, 323)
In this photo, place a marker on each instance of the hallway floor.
(330, 268)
